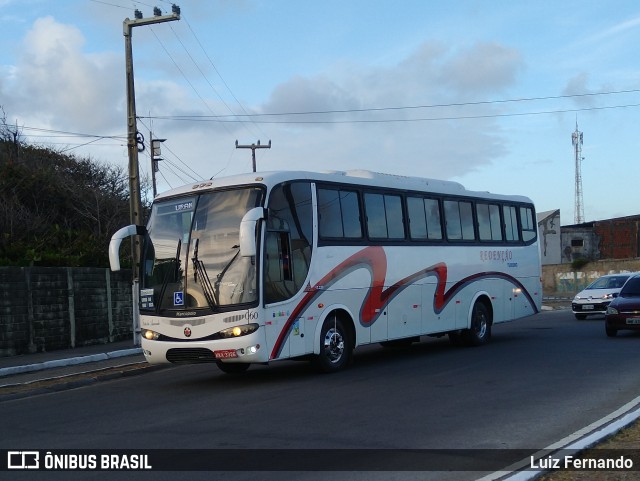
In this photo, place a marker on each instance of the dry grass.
(626, 439)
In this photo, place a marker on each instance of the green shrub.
(579, 263)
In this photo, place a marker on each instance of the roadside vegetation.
(626, 440)
(56, 209)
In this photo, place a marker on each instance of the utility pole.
(135, 202)
(156, 152)
(253, 148)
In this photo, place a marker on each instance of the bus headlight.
(238, 331)
(150, 335)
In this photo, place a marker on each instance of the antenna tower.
(576, 140)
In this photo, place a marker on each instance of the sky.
(486, 93)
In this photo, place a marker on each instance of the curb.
(72, 361)
(581, 440)
(73, 381)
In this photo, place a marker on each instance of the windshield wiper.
(200, 271)
(226, 268)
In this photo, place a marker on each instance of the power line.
(219, 74)
(225, 119)
(185, 78)
(195, 118)
(416, 107)
(74, 134)
(78, 146)
(110, 4)
(165, 179)
(197, 177)
(191, 177)
(204, 76)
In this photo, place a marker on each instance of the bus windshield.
(191, 255)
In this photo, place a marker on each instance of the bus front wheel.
(335, 346)
(480, 330)
(232, 367)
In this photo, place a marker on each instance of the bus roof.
(355, 177)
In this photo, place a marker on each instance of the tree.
(56, 209)
(10, 136)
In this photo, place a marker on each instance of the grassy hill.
(56, 209)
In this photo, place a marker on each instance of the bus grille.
(186, 355)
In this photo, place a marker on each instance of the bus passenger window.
(339, 214)
(510, 223)
(489, 222)
(417, 218)
(434, 225)
(384, 216)
(350, 205)
(424, 219)
(459, 219)
(528, 226)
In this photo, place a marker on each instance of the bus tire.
(335, 346)
(232, 367)
(479, 332)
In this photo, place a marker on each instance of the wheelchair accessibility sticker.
(178, 298)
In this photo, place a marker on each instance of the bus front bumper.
(245, 349)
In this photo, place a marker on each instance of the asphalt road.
(539, 380)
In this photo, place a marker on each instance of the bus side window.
(339, 214)
(528, 226)
(510, 223)
(459, 220)
(424, 218)
(489, 222)
(384, 216)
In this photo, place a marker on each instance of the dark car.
(624, 310)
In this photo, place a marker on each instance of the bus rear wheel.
(335, 346)
(480, 330)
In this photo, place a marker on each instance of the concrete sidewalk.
(30, 368)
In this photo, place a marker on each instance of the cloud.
(577, 85)
(56, 84)
(614, 31)
(392, 139)
(300, 94)
(484, 68)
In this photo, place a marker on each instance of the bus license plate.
(226, 354)
(633, 320)
(587, 307)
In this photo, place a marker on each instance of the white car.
(595, 298)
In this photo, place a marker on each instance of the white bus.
(286, 265)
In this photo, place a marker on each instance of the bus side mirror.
(248, 231)
(116, 240)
